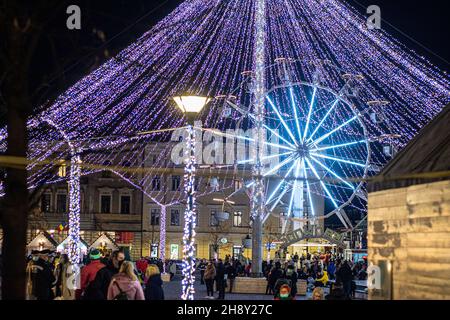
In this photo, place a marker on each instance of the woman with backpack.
(125, 285)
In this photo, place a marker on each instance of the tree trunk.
(14, 217)
(15, 213)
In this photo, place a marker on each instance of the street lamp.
(191, 106)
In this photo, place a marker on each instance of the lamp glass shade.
(191, 104)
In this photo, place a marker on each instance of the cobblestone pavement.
(172, 291)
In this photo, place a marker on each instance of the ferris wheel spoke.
(334, 130)
(322, 184)
(280, 165)
(332, 172)
(308, 189)
(280, 184)
(308, 119)
(323, 120)
(338, 159)
(294, 107)
(281, 119)
(339, 146)
(295, 189)
(277, 134)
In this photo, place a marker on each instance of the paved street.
(172, 291)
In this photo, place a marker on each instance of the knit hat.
(95, 255)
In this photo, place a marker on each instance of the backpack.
(122, 295)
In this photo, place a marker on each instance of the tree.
(219, 231)
(272, 234)
(36, 53)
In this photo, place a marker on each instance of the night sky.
(420, 25)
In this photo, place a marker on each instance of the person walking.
(40, 277)
(209, 276)
(345, 276)
(153, 286)
(88, 274)
(125, 285)
(99, 287)
(172, 270)
(231, 272)
(202, 268)
(291, 275)
(275, 274)
(221, 277)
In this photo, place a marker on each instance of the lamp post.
(191, 106)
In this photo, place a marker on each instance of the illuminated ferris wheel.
(321, 146)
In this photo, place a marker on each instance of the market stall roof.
(44, 240)
(428, 155)
(107, 240)
(61, 247)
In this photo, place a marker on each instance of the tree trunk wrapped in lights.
(189, 219)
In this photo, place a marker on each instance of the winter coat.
(324, 278)
(231, 272)
(132, 288)
(274, 275)
(98, 289)
(153, 288)
(220, 272)
(88, 274)
(40, 280)
(142, 265)
(210, 272)
(345, 273)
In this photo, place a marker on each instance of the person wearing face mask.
(99, 287)
(284, 293)
(40, 277)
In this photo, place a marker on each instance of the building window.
(61, 203)
(154, 217)
(174, 217)
(125, 204)
(213, 222)
(237, 219)
(237, 250)
(46, 202)
(154, 248)
(105, 203)
(156, 183)
(174, 251)
(237, 185)
(176, 183)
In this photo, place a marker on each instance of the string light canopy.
(207, 46)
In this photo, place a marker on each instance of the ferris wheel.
(322, 150)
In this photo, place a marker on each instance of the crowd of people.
(52, 276)
(112, 277)
(319, 271)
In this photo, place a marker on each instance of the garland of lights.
(189, 219)
(204, 46)
(74, 210)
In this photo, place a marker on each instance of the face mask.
(35, 258)
(284, 295)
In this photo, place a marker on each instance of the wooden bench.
(250, 285)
